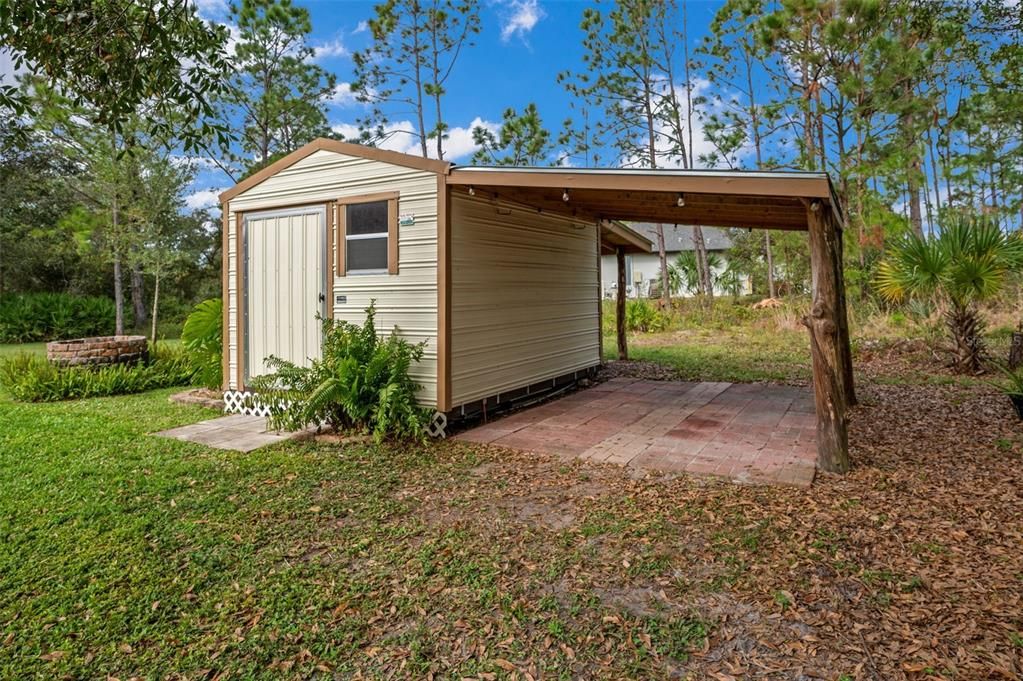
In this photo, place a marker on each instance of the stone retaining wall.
(101, 350)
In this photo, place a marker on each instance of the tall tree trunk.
(662, 253)
(915, 215)
(703, 267)
(419, 86)
(138, 301)
(118, 296)
(652, 150)
(115, 217)
(770, 264)
(436, 93)
(156, 302)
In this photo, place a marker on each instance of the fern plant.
(362, 382)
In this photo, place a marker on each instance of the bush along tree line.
(31, 378)
(33, 317)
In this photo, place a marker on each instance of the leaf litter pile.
(471, 562)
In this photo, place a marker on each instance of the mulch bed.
(909, 567)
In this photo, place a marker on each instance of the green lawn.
(125, 555)
(8, 349)
(128, 555)
(733, 354)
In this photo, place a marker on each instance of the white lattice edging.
(245, 402)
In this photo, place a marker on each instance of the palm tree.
(967, 262)
(684, 274)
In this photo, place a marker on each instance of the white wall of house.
(407, 300)
(643, 268)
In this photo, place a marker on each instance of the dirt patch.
(211, 399)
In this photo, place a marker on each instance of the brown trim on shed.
(648, 181)
(392, 199)
(346, 148)
(329, 226)
(443, 295)
(239, 278)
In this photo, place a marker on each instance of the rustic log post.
(829, 388)
(843, 317)
(623, 347)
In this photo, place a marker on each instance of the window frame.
(341, 236)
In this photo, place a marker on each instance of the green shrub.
(641, 315)
(362, 382)
(202, 336)
(30, 378)
(33, 317)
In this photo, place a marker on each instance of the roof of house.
(680, 237)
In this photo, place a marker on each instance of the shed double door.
(285, 286)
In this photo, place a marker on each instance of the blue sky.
(523, 46)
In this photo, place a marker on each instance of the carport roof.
(717, 198)
(721, 198)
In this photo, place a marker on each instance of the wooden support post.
(843, 318)
(623, 347)
(829, 388)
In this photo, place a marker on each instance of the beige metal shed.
(496, 269)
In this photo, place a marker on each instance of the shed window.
(368, 236)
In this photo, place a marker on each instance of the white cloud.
(343, 95)
(459, 143)
(523, 17)
(203, 198)
(197, 162)
(331, 48)
(401, 136)
(361, 28)
(211, 9)
(8, 73)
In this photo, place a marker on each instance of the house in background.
(644, 269)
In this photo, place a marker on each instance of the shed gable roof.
(347, 148)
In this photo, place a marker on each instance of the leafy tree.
(37, 253)
(968, 262)
(521, 141)
(416, 45)
(117, 58)
(277, 94)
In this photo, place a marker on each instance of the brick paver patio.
(747, 432)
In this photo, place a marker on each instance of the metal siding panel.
(524, 297)
(407, 300)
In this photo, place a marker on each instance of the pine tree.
(521, 141)
(415, 48)
(277, 93)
